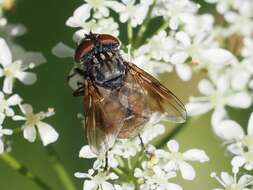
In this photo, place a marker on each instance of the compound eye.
(108, 39)
(84, 47)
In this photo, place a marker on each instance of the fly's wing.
(159, 98)
(104, 118)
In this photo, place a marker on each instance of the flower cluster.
(217, 46)
(16, 65)
(153, 168)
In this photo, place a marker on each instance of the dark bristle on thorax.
(105, 67)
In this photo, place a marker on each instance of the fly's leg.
(145, 150)
(106, 167)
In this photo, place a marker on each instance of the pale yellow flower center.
(32, 119)
(11, 70)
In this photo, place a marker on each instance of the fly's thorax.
(107, 69)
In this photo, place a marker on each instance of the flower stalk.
(59, 169)
(144, 26)
(21, 169)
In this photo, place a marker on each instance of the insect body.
(118, 96)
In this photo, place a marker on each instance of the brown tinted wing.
(159, 98)
(104, 117)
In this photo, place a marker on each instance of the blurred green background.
(45, 21)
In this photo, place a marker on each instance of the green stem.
(129, 32)
(144, 26)
(164, 26)
(21, 169)
(59, 169)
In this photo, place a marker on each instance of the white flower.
(216, 95)
(98, 181)
(106, 26)
(47, 132)
(128, 10)
(87, 153)
(12, 70)
(100, 7)
(240, 144)
(154, 177)
(2, 133)
(173, 11)
(200, 50)
(159, 47)
(178, 160)
(6, 104)
(240, 23)
(195, 24)
(231, 182)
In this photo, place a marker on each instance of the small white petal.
(61, 50)
(184, 71)
(178, 58)
(196, 155)
(245, 179)
(197, 108)
(173, 146)
(14, 100)
(227, 179)
(229, 130)
(27, 108)
(7, 131)
(206, 87)
(250, 125)
(107, 186)
(86, 152)
(183, 38)
(2, 117)
(47, 133)
(27, 78)
(18, 118)
(35, 58)
(1, 146)
(5, 53)
(239, 100)
(219, 114)
(79, 17)
(238, 161)
(8, 85)
(29, 133)
(81, 175)
(89, 185)
(174, 23)
(187, 171)
(217, 56)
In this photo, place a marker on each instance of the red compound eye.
(89, 43)
(107, 39)
(84, 47)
